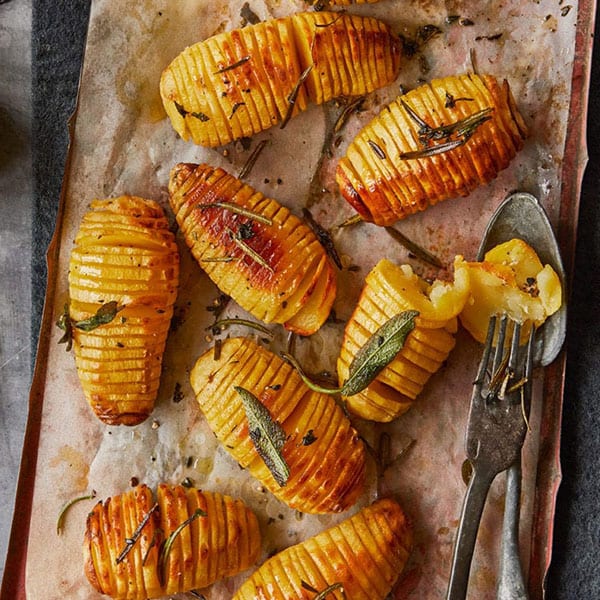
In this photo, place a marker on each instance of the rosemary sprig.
(419, 252)
(237, 240)
(218, 326)
(377, 149)
(168, 543)
(234, 65)
(130, 542)
(238, 210)
(353, 106)
(324, 237)
(291, 99)
(63, 511)
(433, 150)
(266, 434)
(249, 164)
(324, 593)
(353, 220)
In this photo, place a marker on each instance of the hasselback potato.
(389, 290)
(359, 559)
(324, 454)
(267, 259)
(240, 82)
(413, 155)
(125, 257)
(124, 554)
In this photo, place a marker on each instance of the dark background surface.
(57, 46)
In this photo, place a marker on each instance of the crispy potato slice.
(125, 253)
(276, 270)
(364, 554)
(240, 82)
(510, 280)
(327, 468)
(389, 290)
(223, 541)
(384, 185)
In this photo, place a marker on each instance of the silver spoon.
(522, 216)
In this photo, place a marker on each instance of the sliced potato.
(322, 450)
(223, 540)
(240, 82)
(276, 270)
(389, 290)
(385, 183)
(360, 559)
(510, 280)
(124, 253)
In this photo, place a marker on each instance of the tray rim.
(548, 477)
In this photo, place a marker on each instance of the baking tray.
(560, 198)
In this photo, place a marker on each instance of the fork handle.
(511, 583)
(472, 509)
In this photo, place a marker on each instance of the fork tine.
(513, 360)
(499, 354)
(485, 357)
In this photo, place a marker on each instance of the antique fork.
(495, 432)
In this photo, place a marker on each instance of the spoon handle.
(511, 583)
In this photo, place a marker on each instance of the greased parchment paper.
(123, 143)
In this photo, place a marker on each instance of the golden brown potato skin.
(237, 83)
(223, 543)
(293, 283)
(327, 473)
(124, 252)
(365, 553)
(384, 188)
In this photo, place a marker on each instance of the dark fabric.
(59, 28)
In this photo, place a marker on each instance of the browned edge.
(575, 157)
(13, 583)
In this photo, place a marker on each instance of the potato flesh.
(365, 553)
(385, 190)
(510, 280)
(389, 290)
(326, 475)
(237, 83)
(293, 283)
(124, 252)
(223, 543)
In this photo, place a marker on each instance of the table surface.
(41, 43)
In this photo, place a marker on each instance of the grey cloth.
(59, 28)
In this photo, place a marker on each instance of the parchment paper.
(124, 144)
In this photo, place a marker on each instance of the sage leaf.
(105, 314)
(378, 352)
(266, 434)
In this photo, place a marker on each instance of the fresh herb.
(197, 115)
(219, 326)
(353, 220)
(324, 237)
(235, 108)
(328, 24)
(324, 593)
(195, 593)
(104, 315)
(419, 252)
(377, 149)
(309, 438)
(381, 348)
(249, 251)
(153, 542)
(215, 259)
(234, 65)
(168, 543)
(451, 100)
(245, 170)
(291, 99)
(238, 210)
(130, 542)
(63, 511)
(353, 106)
(462, 130)
(266, 434)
